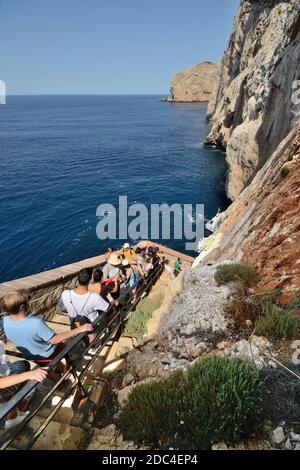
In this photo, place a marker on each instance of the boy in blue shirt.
(30, 334)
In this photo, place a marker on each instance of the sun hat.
(114, 259)
(126, 246)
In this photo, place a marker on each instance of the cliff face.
(251, 110)
(195, 83)
(262, 227)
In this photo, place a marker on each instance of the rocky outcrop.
(262, 227)
(252, 109)
(195, 83)
(195, 321)
(109, 438)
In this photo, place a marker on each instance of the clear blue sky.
(107, 46)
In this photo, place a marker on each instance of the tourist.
(30, 334)
(104, 288)
(177, 267)
(12, 377)
(159, 255)
(167, 269)
(131, 279)
(129, 272)
(79, 302)
(139, 256)
(156, 256)
(111, 269)
(127, 251)
(149, 265)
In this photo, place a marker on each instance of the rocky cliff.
(262, 227)
(252, 110)
(195, 83)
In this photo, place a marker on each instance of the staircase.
(61, 414)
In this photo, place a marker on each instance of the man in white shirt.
(81, 302)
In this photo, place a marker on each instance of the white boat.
(213, 224)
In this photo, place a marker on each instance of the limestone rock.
(278, 436)
(195, 83)
(146, 363)
(252, 350)
(109, 438)
(261, 227)
(220, 446)
(288, 445)
(252, 108)
(196, 317)
(295, 437)
(128, 379)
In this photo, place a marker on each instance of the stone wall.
(45, 288)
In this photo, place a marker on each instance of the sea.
(63, 156)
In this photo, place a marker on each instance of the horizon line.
(86, 94)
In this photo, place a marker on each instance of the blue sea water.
(62, 156)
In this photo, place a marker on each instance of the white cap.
(126, 246)
(125, 262)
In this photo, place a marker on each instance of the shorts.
(44, 361)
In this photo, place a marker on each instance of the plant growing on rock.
(277, 323)
(137, 323)
(243, 274)
(215, 399)
(296, 300)
(221, 401)
(150, 414)
(243, 314)
(245, 309)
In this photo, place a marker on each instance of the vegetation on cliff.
(216, 399)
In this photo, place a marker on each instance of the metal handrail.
(120, 317)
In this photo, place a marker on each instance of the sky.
(108, 46)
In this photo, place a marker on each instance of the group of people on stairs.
(95, 292)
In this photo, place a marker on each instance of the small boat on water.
(213, 224)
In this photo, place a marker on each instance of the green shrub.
(150, 414)
(222, 401)
(241, 273)
(137, 323)
(277, 323)
(296, 300)
(216, 399)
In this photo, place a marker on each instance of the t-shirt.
(149, 267)
(86, 305)
(177, 265)
(128, 253)
(30, 335)
(109, 271)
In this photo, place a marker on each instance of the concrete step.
(56, 436)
